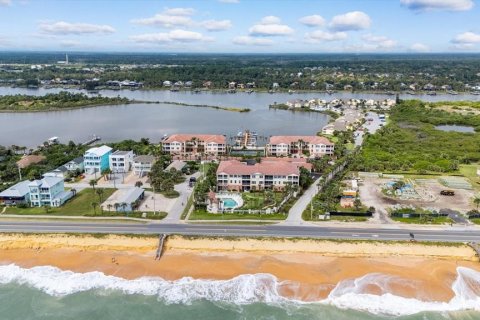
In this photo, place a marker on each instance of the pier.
(161, 243)
(94, 139)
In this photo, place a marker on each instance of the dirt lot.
(371, 195)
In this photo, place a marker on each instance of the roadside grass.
(204, 215)
(420, 220)
(346, 219)
(475, 220)
(469, 171)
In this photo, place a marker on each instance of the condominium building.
(49, 191)
(234, 175)
(121, 161)
(312, 146)
(97, 159)
(195, 144)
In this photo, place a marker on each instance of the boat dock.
(94, 139)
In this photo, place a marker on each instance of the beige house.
(234, 175)
(313, 146)
(213, 144)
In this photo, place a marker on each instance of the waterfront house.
(121, 161)
(74, 165)
(97, 159)
(16, 194)
(142, 165)
(195, 144)
(49, 191)
(234, 175)
(167, 84)
(313, 146)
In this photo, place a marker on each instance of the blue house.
(97, 159)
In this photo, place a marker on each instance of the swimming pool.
(229, 203)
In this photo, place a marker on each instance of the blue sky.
(312, 26)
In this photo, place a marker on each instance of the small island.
(65, 100)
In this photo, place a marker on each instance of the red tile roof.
(299, 162)
(267, 168)
(202, 137)
(290, 139)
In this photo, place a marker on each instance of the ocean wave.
(247, 289)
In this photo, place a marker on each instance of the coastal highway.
(242, 230)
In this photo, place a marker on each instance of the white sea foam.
(247, 289)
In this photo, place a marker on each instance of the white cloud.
(270, 26)
(380, 42)
(177, 35)
(252, 41)
(428, 5)
(5, 2)
(355, 20)
(217, 25)
(419, 47)
(313, 21)
(462, 46)
(64, 28)
(320, 35)
(229, 1)
(179, 11)
(270, 20)
(466, 38)
(169, 18)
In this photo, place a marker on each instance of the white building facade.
(121, 161)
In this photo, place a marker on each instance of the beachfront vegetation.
(204, 215)
(54, 101)
(411, 143)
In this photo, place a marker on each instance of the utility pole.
(20, 173)
(154, 210)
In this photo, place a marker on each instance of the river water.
(134, 121)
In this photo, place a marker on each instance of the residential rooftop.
(292, 139)
(235, 167)
(217, 138)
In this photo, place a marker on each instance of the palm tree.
(100, 193)
(124, 207)
(357, 204)
(92, 183)
(116, 205)
(138, 184)
(94, 206)
(109, 207)
(476, 201)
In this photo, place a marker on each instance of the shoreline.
(306, 270)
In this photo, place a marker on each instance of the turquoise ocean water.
(50, 293)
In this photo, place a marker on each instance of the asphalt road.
(242, 230)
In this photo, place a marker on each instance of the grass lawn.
(204, 215)
(475, 220)
(256, 200)
(80, 205)
(438, 220)
(470, 172)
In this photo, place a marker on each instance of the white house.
(97, 159)
(49, 191)
(121, 161)
(75, 164)
(60, 172)
(142, 165)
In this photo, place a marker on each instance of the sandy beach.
(309, 269)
